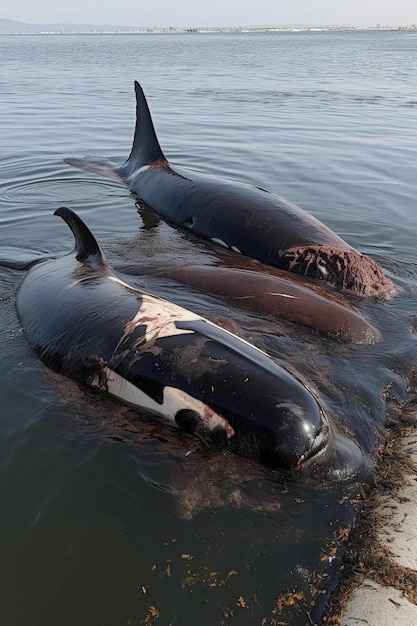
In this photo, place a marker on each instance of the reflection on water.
(111, 518)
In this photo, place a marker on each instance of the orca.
(272, 295)
(85, 322)
(245, 219)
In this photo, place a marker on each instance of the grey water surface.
(110, 519)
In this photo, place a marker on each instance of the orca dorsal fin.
(145, 148)
(86, 245)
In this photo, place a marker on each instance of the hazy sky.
(213, 12)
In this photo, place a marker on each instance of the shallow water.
(106, 518)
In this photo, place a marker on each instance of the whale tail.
(86, 245)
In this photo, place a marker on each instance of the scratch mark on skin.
(114, 279)
(244, 297)
(121, 282)
(270, 293)
(283, 295)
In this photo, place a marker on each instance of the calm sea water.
(105, 521)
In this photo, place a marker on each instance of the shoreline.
(110, 30)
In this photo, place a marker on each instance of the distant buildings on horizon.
(12, 27)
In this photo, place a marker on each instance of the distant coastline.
(12, 27)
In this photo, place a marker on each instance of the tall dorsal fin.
(146, 148)
(86, 245)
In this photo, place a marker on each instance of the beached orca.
(243, 218)
(272, 294)
(85, 322)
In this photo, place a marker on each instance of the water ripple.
(314, 96)
(37, 179)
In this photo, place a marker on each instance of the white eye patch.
(174, 400)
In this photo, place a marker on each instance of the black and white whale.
(85, 322)
(241, 217)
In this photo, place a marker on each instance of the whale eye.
(188, 420)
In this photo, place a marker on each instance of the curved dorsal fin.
(86, 245)
(145, 148)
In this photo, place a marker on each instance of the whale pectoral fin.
(100, 166)
(17, 259)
